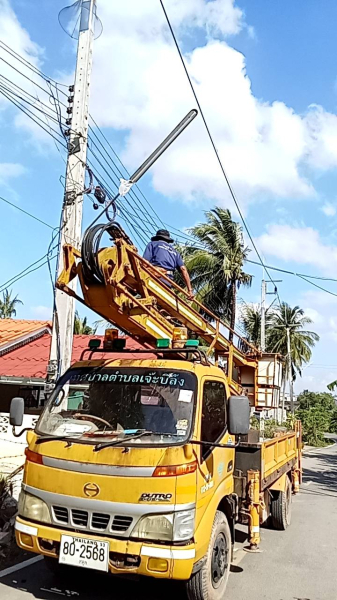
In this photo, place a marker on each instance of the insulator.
(68, 121)
(69, 110)
(71, 89)
(70, 98)
(95, 206)
(67, 132)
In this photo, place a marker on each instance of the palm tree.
(216, 268)
(284, 319)
(250, 319)
(8, 304)
(81, 326)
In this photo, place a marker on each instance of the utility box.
(269, 380)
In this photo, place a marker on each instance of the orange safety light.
(173, 471)
(109, 337)
(179, 337)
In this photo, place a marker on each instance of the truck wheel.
(210, 582)
(280, 508)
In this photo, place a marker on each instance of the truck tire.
(280, 508)
(210, 582)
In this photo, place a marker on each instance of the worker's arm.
(187, 280)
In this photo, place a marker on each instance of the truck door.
(216, 464)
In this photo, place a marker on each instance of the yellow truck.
(144, 464)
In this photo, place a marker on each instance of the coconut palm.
(81, 326)
(216, 268)
(302, 341)
(8, 305)
(250, 319)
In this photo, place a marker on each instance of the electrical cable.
(25, 272)
(26, 212)
(231, 190)
(292, 272)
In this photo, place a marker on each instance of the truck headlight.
(172, 527)
(31, 507)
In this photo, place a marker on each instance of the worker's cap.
(162, 234)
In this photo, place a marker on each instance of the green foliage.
(278, 320)
(301, 341)
(271, 427)
(8, 305)
(81, 326)
(216, 270)
(318, 413)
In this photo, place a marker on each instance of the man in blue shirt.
(161, 254)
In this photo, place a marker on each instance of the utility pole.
(263, 316)
(291, 388)
(264, 292)
(71, 219)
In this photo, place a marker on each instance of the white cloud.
(10, 170)
(143, 92)
(329, 209)
(301, 245)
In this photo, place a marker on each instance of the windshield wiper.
(53, 438)
(133, 436)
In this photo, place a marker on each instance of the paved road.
(298, 564)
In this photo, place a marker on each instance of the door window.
(214, 414)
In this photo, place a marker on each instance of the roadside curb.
(313, 449)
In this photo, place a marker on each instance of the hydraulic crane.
(126, 290)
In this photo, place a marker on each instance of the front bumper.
(126, 556)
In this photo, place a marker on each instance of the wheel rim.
(219, 560)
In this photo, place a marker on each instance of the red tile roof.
(18, 331)
(30, 360)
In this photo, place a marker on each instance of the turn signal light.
(173, 471)
(34, 457)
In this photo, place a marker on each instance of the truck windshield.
(101, 404)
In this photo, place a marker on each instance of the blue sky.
(258, 67)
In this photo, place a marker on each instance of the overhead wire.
(231, 190)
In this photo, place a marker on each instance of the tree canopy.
(216, 266)
(8, 305)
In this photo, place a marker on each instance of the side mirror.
(16, 413)
(238, 415)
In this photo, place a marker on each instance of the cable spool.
(91, 247)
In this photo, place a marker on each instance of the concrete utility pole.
(263, 316)
(291, 384)
(71, 221)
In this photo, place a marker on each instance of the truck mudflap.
(125, 556)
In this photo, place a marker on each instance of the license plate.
(84, 552)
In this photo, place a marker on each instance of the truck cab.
(130, 469)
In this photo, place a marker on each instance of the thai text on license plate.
(84, 552)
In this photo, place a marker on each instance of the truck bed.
(272, 458)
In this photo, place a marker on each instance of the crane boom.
(126, 290)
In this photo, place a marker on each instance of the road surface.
(298, 564)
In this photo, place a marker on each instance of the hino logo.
(155, 498)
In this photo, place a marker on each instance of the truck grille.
(121, 523)
(92, 521)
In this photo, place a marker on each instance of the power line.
(26, 271)
(231, 190)
(291, 272)
(26, 213)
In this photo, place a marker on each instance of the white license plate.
(84, 552)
